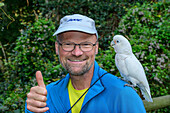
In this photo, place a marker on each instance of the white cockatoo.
(129, 66)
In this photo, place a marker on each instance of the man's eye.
(86, 45)
(68, 44)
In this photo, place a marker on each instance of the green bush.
(35, 50)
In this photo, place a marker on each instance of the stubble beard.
(84, 70)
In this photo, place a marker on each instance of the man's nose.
(77, 51)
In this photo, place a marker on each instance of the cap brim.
(72, 28)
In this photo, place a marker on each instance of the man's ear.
(97, 48)
(56, 48)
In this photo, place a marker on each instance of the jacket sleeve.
(130, 102)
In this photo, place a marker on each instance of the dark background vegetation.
(27, 44)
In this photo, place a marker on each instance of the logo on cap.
(74, 20)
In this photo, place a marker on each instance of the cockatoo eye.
(117, 41)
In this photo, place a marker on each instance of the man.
(86, 88)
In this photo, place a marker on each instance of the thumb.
(39, 79)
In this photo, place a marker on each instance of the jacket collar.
(59, 92)
(97, 88)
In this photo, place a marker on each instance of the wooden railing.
(158, 102)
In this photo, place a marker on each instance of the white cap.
(77, 22)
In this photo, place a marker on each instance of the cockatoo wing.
(131, 70)
(137, 75)
(135, 70)
(120, 64)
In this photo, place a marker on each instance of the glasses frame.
(78, 45)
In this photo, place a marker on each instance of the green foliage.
(12, 14)
(17, 11)
(106, 60)
(35, 50)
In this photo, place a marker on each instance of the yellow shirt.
(74, 95)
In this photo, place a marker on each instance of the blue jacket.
(107, 95)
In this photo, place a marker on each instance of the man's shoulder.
(113, 81)
(116, 87)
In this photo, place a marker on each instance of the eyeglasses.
(70, 46)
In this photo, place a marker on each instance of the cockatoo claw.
(123, 79)
(132, 86)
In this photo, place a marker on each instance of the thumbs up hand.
(37, 97)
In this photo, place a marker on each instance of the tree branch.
(3, 50)
(158, 102)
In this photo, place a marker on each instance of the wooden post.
(158, 102)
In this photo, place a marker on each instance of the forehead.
(76, 36)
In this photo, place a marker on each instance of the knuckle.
(44, 98)
(28, 95)
(45, 92)
(44, 104)
(28, 107)
(32, 89)
(28, 101)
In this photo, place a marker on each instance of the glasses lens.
(86, 46)
(68, 46)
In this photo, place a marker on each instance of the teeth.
(76, 60)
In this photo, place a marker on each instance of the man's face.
(77, 62)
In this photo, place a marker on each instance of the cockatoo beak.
(113, 43)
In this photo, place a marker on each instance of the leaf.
(2, 4)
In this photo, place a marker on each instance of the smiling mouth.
(77, 60)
